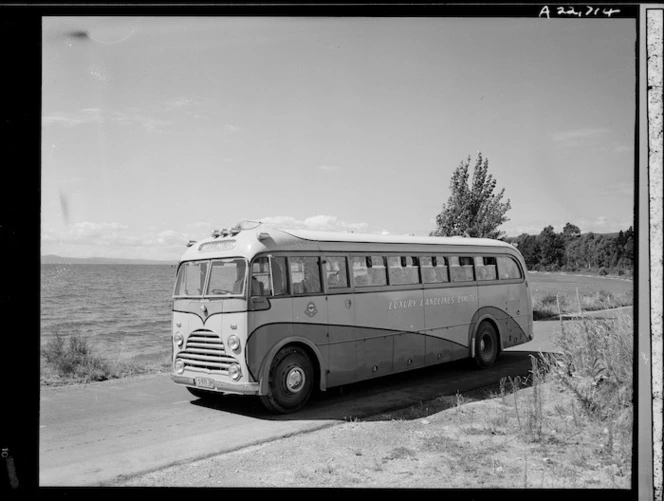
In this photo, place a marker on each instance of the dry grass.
(69, 359)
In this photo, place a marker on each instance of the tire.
(291, 381)
(486, 345)
(197, 392)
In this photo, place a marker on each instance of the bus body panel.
(505, 304)
(342, 349)
(265, 329)
(449, 312)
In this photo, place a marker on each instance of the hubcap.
(295, 380)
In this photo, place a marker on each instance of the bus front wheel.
(486, 345)
(291, 381)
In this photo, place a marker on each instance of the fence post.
(560, 314)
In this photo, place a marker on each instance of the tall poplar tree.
(473, 209)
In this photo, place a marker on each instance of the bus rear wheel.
(291, 381)
(486, 345)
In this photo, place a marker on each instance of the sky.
(157, 130)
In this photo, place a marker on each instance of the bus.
(279, 313)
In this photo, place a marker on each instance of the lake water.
(121, 310)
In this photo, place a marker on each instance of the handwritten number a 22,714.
(571, 11)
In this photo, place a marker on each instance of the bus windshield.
(225, 277)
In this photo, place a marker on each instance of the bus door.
(309, 313)
(342, 354)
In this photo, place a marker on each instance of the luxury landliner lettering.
(432, 301)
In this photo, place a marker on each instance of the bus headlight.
(179, 366)
(234, 342)
(178, 338)
(235, 372)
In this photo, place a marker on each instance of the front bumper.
(237, 388)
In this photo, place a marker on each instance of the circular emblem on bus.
(311, 309)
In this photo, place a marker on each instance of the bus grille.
(204, 350)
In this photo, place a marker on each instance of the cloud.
(168, 237)
(88, 116)
(329, 168)
(112, 239)
(65, 119)
(576, 136)
(180, 102)
(110, 235)
(319, 223)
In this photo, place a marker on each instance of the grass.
(69, 358)
(595, 364)
(575, 293)
(549, 305)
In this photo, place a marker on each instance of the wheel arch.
(310, 349)
(485, 316)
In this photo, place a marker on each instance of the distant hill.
(52, 259)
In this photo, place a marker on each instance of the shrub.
(595, 362)
(602, 271)
(72, 357)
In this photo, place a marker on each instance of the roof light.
(263, 236)
(190, 243)
(215, 233)
(235, 230)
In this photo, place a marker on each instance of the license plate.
(204, 382)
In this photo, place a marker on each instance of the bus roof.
(260, 237)
(330, 236)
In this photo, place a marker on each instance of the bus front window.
(227, 277)
(191, 279)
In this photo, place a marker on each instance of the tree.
(473, 210)
(552, 247)
(570, 232)
(529, 249)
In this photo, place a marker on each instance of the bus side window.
(461, 269)
(485, 268)
(402, 270)
(508, 269)
(434, 269)
(336, 272)
(279, 276)
(359, 266)
(305, 274)
(377, 274)
(260, 277)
